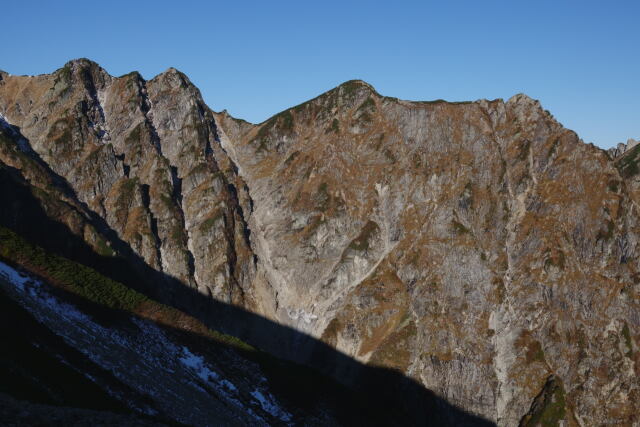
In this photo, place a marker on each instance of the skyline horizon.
(254, 59)
(505, 99)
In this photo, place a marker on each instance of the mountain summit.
(478, 248)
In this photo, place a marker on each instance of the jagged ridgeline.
(463, 262)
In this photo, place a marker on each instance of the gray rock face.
(140, 155)
(480, 248)
(622, 148)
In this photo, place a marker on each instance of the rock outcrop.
(480, 248)
(622, 148)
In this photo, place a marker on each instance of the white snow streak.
(13, 276)
(268, 405)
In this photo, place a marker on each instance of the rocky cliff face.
(479, 248)
(140, 155)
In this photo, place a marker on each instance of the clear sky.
(581, 59)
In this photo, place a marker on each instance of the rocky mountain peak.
(83, 67)
(351, 86)
(524, 99)
(82, 63)
(526, 108)
(174, 78)
(479, 248)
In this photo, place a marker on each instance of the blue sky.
(581, 59)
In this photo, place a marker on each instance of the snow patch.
(13, 276)
(268, 405)
(223, 387)
(36, 290)
(197, 363)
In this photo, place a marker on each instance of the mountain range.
(353, 260)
